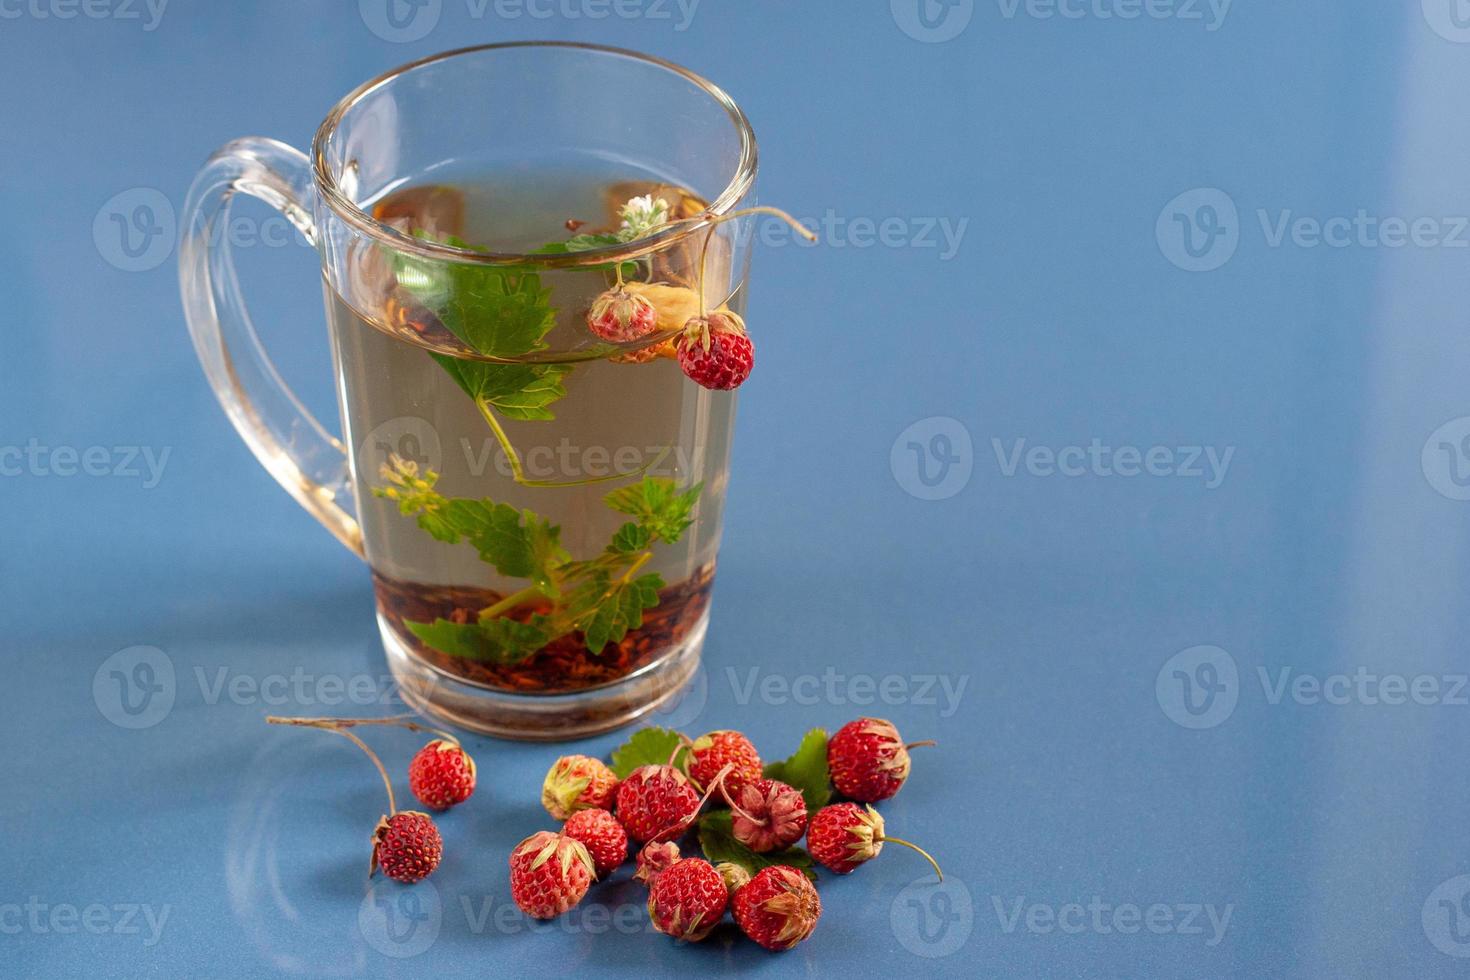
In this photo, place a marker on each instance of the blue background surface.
(1081, 760)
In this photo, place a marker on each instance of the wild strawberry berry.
(845, 835)
(712, 752)
(768, 815)
(868, 760)
(716, 352)
(441, 775)
(654, 859)
(578, 782)
(735, 877)
(603, 837)
(778, 909)
(688, 900)
(549, 874)
(407, 846)
(621, 316)
(656, 803)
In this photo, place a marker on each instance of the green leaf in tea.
(630, 539)
(498, 311)
(518, 543)
(583, 243)
(602, 597)
(518, 391)
(499, 641)
(658, 506)
(605, 610)
(578, 243)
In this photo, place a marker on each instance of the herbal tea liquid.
(618, 423)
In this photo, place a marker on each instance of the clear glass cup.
(495, 451)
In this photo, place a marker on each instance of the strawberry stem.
(511, 601)
(338, 730)
(717, 782)
(685, 742)
(716, 220)
(736, 808)
(518, 472)
(397, 721)
(921, 743)
(927, 856)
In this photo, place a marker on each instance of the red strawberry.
(621, 316)
(656, 803)
(654, 859)
(577, 782)
(712, 752)
(407, 846)
(441, 775)
(779, 908)
(844, 835)
(688, 900)
(768, 815)
(868, 760)
(715, 351)
(603, 837)
(549, 874)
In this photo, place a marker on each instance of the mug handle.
(290, 443)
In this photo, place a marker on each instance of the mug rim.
(735, 191)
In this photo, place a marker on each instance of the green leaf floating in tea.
(601, 597)
(503, 312)
(497, 311)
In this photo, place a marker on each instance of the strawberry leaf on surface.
(806, 770)
(717, 840)
(646, 747)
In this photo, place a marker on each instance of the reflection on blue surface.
(1144, 494)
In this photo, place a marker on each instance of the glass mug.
(540, 506)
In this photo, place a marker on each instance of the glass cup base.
(542, 717)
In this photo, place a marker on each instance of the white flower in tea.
(642, 215)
